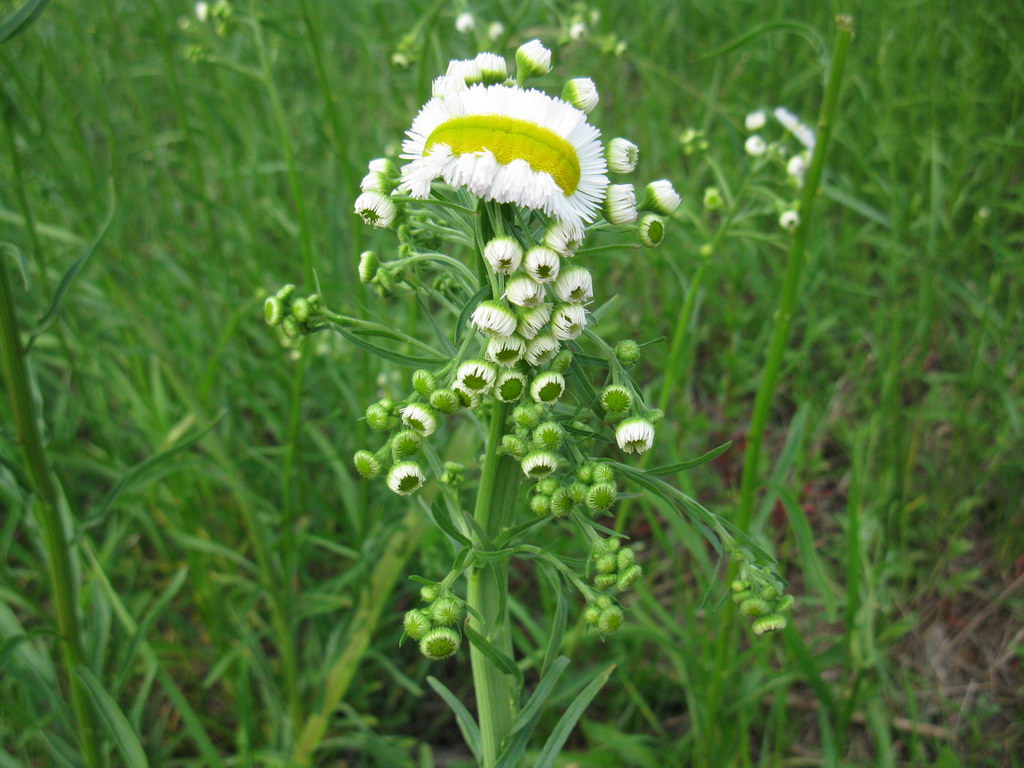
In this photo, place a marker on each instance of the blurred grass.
(895, 499)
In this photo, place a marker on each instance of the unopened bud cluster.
(759, 596)
(435, 625)
(294, 316)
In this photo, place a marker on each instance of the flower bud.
(378, 417)
(581, 93)
(770, 623)
(505, 351)
(273, 311)
(755, 146)
(585, 473)
(453, 474)
(525, 416)
(789, 220)
(578, 491)
(610, 620)
(291, 327)
(620, 204)
(446, 611)
(493, 68)
(769, 592)
(440, 643)
(661, 197)
(784, 604)
(548, 436)
(539, 464)
(605, 580)
(515, 446)
(444, 401)
(592, 614)
(739, 597)
(286, 292)
(606, 563)
(604, 474)
(429, 592)
(625, 559)
(510, 386)
(754, 607)
(376, 209)
(547, 388)
(406, 443)
(419, 418)
(628, 577)
(547, 486)
(561, 502)
(622, 156)
(755, 121)
(424, 383)
(603, 602)
(416, 623)
(651, 230)
(542, 264)
(712, 198)
(504, 254)
(616, 399)
(405, 478)
(540, 504)
(635, 435)
(476, 375)
(739, 585)
(560, 363)
(628, 352)
(532, 60)
(541, 348)
(564, 238)
(367, 464)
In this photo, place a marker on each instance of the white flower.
(532, 320)
(492, 67)
(541, 264)
(581, 93)
(504, 254)
(575, 285)
(541, 349)
(405, 478)
(661, 197)
(797, 167)
(475, 375)
(419, 419)
(382, 165)
(789, 220)
(622, 155)
(375, 181)
(635, 435)
(577, 30)
(620, 204)
(444, 86)
(523, 292)
(547, 388)
(509, 145)
(465, 22)
(800, 130)
(755, 146)
(376, 209)
(533, 59)
(539, 464)
(495, 30)
(506, 351)
(755, 121)
(202, 11)
(467, 69)
(563, 238)
(568, 321)
(494, 319)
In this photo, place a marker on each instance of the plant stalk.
(47, 513)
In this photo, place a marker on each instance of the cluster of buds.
(435, 626)
(615, 566)
(293, 316)
(795, 163)
(759, 596)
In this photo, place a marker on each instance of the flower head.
(661, 197)
(376, 209)
(493, 68)
(510, 386)
(539, 464)
(504, 254)
(541, 349)
(420, 419)
(581, 93)
(568, 321)
(652, 230)
(533, 59)
(620, 204)
(475, 375)
(468, 70)
(532, 320)
(547, 388)
(405, 478)
(622, 155)
(524, 292)
(494, 319)
(575, 285)
(564, 239)
(505, 351)
(542, 264)
(634, 435)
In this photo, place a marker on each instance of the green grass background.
(182, 431)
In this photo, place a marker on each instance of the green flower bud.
(540, 504)
(625, 559)
(628, 352)
(386, 403)
(654, 415)
(286, 293)
(578, 491)
(652, 230)
(291, 327)
(585, 473)
(423, 382)
(769, 592)
(616, 399)
(561, 362)
(440, 643)
(526, 416)
(739, 585)
(604, 602)
(591, 614)
(429, 592)
(516, 446)
(300, 310)
(444, 401)
(605, 580)
(601, 497)
(784, 604)
(548, 436)
(273, 311)
(368, 264)
(613, 545)
(547, 486)
(510, 386)
(628, 577)
(610, 619)
(754, 607)
(378, 417)
(561, 502)
(406, 443)
(367, 465)
(739, 597)
(453, 473)
(604, 474)
(712, 198)
(416, 623)
(606, 563)
(770, 623)
(446, 611)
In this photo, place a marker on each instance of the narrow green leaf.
(470, 730)
(811, 564)
(526, 721)
(21, 19)
(496, 657)
(149, 620)
(120, 730)
(558, 737)
(409, 361)
(558, 622)
(669, 469)
(439, 511)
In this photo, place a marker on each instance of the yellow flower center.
(511, 139)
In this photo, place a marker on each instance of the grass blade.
(568, 721)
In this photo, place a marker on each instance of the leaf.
(558, 622)
(21, 19)
(496, 657)
(120, 730)
(409, 361)
(558, 737)
(158, 607)
(526, 721)
(18, 257)
(669, 469)
(73, 271)
(812, 565)
(439, 511)
(470, 730)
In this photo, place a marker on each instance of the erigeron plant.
(520, 181)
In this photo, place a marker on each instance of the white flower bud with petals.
(493, 318)
(575, 285)
(581, 93)
(405, 478)
(755, 146)
(622, 155)
(542, 264)
(755, 121)
(533, 60)
(620, 204)
(568, 321)
(524, 292)
(375, 209)
(504, 254)
(635, 435)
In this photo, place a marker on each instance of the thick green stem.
(47, 513)
(487, 594)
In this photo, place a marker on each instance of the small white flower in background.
(797, 167)
(541, 349)
(495, 30)
(577, 30)
(492, 318)
(465, 22)
(622, 155)
(789, 220)
(524, 292)
(575, 285)
(661, 197)
(620, 204)
(581, 93)
(533, 59)
(504, 254)
(419, 419)
(542, 264)
(532, 320)
(755, 146)
(563, 238)
(755, 121)
(568, 321)
(202, 11)
(492, 67)
(800, 130)
(376, 209)
(635, 435)
(405, 478)
(506, 351)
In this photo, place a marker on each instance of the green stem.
(47, 512)
(487, 594)
(791, 281)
